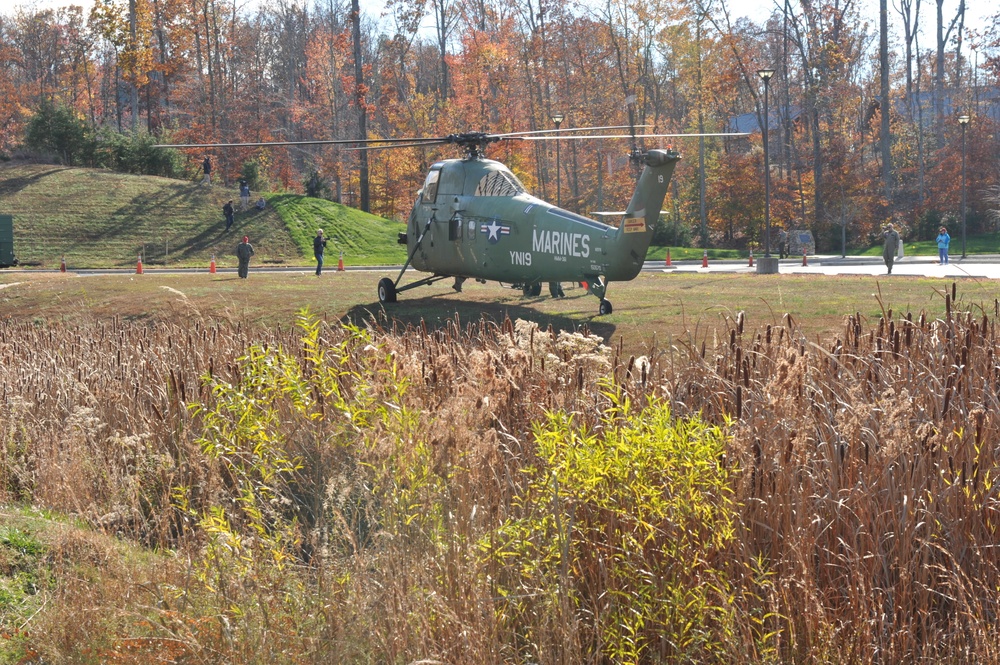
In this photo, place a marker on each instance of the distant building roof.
(984, 100)
(747, 123)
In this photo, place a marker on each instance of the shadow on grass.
(437, 313)
(11, 186)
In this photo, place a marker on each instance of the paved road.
(977, 266)
(984, 266)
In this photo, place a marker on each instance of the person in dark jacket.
(891, 246)
(244, 251)
(244, 195)
(782, 242)
(227, 210)
(206, 166)
(319, 246)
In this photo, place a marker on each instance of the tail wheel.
(386, 291)
(605, 307)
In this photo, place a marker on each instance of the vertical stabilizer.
(627, 250)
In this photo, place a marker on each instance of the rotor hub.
(474, 143)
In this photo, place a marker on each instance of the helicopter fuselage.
(474, 219)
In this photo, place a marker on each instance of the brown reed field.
(259, 486)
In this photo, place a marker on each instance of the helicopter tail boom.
(627, 249)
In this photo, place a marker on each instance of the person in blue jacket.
(943, 240)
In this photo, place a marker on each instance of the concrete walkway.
(980, 266)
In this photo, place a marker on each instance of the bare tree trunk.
(812, 97)
(211, 69)
(359, 91)
(442, 28)
(920, 123)
(958, 45)
(702, 206)
(885, 140)
(333, 99)
(134, 91)
(791, 148)
(942, 42)
(910, 14)
(161, 40)
(117, 98)
(938, 86)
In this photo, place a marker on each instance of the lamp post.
(766, 266)
(963, 120)
(558, 118)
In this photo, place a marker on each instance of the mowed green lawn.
(655, 308)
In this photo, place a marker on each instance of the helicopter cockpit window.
(499, 183)
(431, 186)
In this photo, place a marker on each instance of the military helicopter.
(473, 219)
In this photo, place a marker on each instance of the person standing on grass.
(943, 240)
(206, 166)
(244, 195)
(319, 246)
(227, 210)
(891, 246)
(244, 251)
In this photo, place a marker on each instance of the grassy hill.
(103, 219)
(364, 239)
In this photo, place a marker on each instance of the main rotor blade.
(569, 129)
(398, 145)
(430, 141)
(618, 136)
(411, 142)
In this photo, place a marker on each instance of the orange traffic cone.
(138, 266)
(751, 258)
(62, 266)
(211, 265)
(340, 263)
(804, 262)
(668, 258)
(704, 259)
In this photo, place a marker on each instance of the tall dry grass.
(864, 475)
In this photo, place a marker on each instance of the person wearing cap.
(943, 240)
(891, 246)
(243, 252)
(319, 246)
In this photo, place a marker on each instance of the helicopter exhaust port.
(401, 238)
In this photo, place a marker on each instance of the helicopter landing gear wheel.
(533, 290)
(386, 291)
(605, 307)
